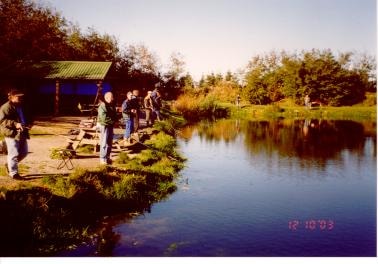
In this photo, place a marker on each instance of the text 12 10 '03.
(312, 224)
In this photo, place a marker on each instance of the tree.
(176, 67)
(141, 58)
(262, 80)
(91, 46)
(187, 84)
(323, 77)
(318, 73)
(136, 67)
(366, 67)
(30, 33)
(100, 47)
(255, 91)
(174, 82)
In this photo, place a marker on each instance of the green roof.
(69, 70)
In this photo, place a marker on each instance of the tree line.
(331, 79)
(31, 32)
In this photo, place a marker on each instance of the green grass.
(38, 132)
(148, 174)
(3, 171)
(59, 185)
(266, 112)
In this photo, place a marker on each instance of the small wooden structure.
(75, 70)
(86, 136)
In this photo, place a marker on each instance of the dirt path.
(50, 133)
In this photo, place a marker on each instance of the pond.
(272, 188)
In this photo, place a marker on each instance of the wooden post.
(57, 92)
(97, 98)
(99, 89)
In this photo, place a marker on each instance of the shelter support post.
(57, 92)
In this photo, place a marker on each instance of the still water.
(277, 188)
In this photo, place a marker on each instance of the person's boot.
(17, 177)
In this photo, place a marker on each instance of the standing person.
(14, 128)
(128, 115)
(148, 107)
(135, 102)
(238, 100)
(106, 118)
(156, 102)
(307, 101)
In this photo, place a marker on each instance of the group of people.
(131, 110)
(14, 126)
(131, 113)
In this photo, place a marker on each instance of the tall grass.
(196, 107)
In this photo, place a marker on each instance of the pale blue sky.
(220, 35)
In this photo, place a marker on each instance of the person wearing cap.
(106, 118)
(14, 128)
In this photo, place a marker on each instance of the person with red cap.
(14, 128)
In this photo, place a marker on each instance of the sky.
(216, 36)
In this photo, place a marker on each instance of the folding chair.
(66, 158)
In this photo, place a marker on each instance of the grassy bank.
(62, 210)
(257, 112)
(195, 108)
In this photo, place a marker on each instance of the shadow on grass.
(31, 177)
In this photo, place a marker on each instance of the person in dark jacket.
(14, 128)
(156, 102)
(128, 114)
(136, 104)
(106, 118)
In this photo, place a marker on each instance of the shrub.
(198, 107)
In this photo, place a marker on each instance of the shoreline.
(54, 211)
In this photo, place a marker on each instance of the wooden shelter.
(72, 71)
(57, 87)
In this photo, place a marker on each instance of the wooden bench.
(85, 137)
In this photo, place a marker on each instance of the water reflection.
(245, 182)
(311, 140)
